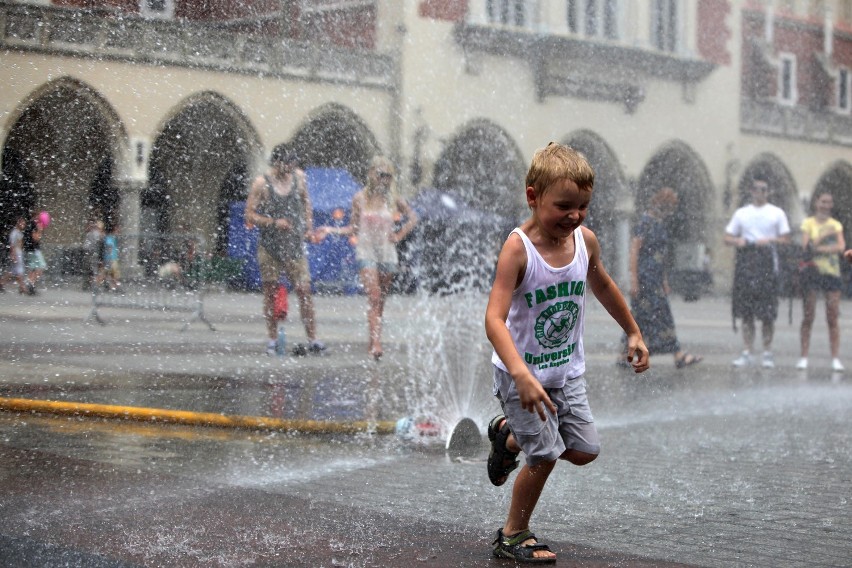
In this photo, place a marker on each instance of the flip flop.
(688, 360)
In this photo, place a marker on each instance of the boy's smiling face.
(560, 208)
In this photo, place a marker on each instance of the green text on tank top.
(283, 244)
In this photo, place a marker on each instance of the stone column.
(130, 191)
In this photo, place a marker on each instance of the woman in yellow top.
(822, 239)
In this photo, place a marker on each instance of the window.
(508, 12)
(157, 8)
(665, 24)
(844, 83)
(787, 79)
(816, 8)
(844, 11)
(593, 18)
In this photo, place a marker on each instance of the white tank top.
(547, 315)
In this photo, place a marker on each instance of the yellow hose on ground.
(190, 418)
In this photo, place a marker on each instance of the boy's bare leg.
(525, 494)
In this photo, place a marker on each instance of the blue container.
(281, 341)
(332, 262)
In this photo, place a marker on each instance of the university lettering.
(551, 358)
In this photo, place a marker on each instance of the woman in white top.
(373, 226)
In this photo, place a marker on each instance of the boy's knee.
(577, 457)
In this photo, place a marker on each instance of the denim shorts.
(385, 267)
(571, 428)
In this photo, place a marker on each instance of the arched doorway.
(336, 138)
(611, 210)
(200, 162)
(486, 168)
(477, 198)
(59, 156)
(837, 181)
(677, 166)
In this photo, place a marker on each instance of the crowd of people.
(535, 316)
(279, 206)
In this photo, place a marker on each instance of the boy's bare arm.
(509, 269)
(611, 298)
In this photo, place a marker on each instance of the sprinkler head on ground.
(465, 439)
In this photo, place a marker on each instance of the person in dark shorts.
(823, 242)
(755, 230)
(278, 204)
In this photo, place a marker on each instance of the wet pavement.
(706, 466)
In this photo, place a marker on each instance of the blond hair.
(556, 162)
(384, 163)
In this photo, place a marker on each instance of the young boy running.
(534, 320)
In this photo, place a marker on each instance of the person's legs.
(768, 333)
(529, 484)
(306, 309)
(832, 314)
(300, 278)
(269, 289)
(372, 288)
(270, 272)
(748, 334)
(808, 314)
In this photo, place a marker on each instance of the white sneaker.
(767, 362)
(270, 349)
(743, 360)
(836, 365)
(802, 364)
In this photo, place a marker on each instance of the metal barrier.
(163, 272)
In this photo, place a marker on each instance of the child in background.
(112, 271)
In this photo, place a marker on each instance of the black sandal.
(498, 469)
(512, 547)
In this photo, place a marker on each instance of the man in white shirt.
(756, 230)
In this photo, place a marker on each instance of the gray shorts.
(572, 428)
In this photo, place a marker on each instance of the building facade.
(155, 114)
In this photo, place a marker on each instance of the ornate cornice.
(548, 53)
(768, 118)
(106, 34)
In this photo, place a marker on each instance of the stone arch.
(611, 209)
(61, 152)
(201, 161)
(335, 137)
(837, 180)
(782, 187)
(678, 166)
(484, 165)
